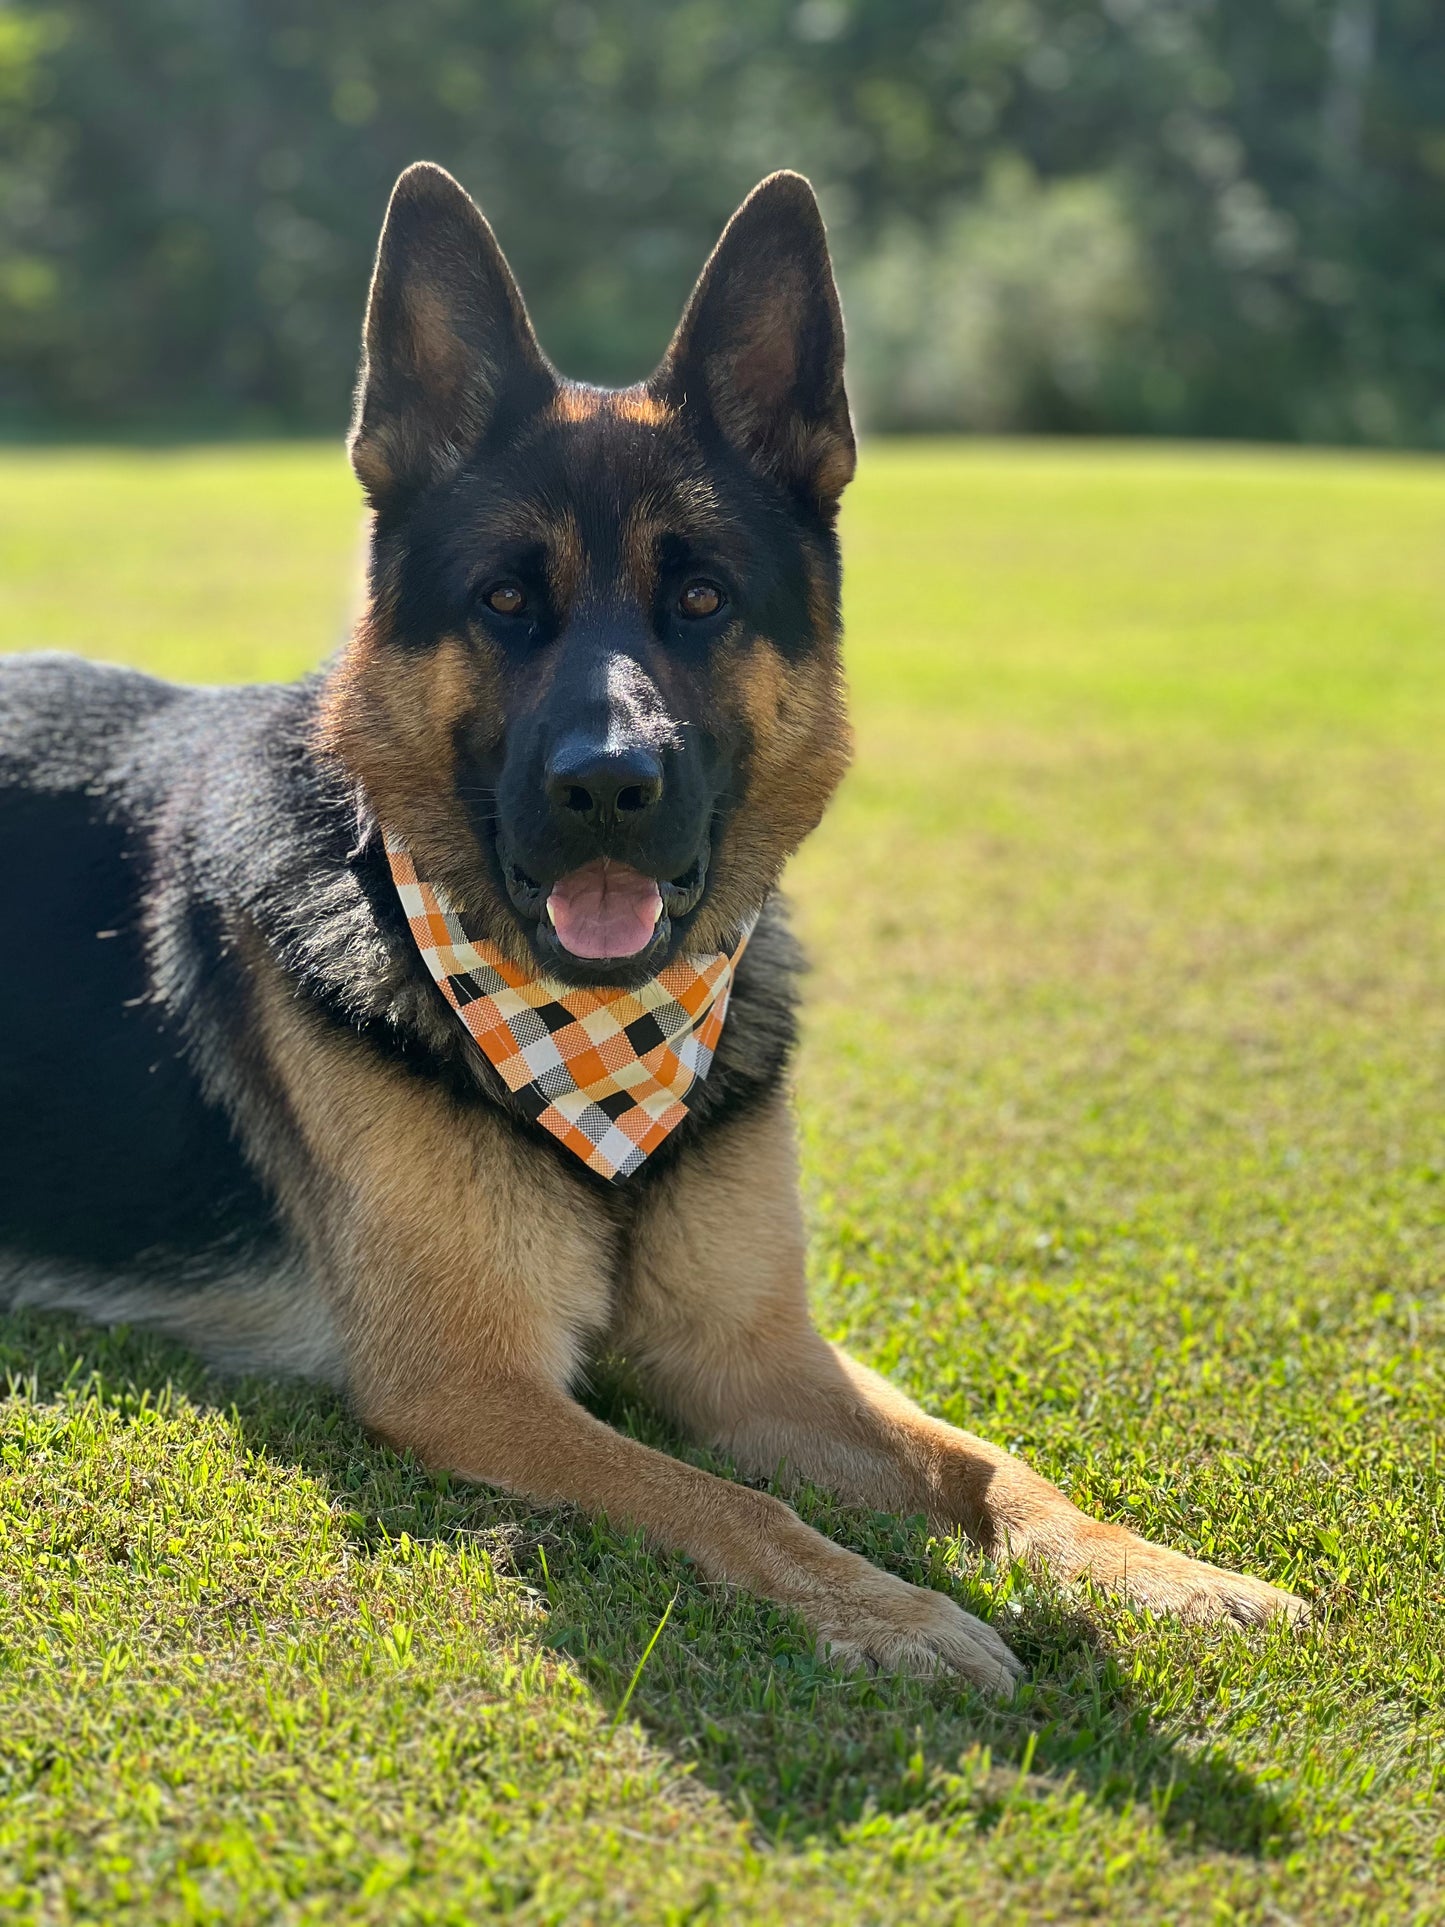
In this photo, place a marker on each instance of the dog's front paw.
(886, 1623)
(1168, 1582)
(1165, 1581)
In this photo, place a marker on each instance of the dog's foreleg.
(528, 1437)
(715, 1321)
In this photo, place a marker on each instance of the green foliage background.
(1219, 217)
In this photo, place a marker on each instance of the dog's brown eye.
(699, 599)
(505, 599)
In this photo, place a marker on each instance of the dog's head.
(597, 686)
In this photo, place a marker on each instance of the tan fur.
(566, 559)
(749, 385)
(637, 405)
(576, 402)
(714, 1318)
(795, 718)
(450, 1251)
(641, 531)
(391, 720)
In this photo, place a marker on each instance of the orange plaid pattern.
(606, 1071)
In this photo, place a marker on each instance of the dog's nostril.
(604, 789)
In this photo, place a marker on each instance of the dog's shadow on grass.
(731, 1687)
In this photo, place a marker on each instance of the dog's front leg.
(716, 1323)
(467, 1367)
(466, 1274)
(527, 1436)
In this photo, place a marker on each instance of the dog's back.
(124, 1187)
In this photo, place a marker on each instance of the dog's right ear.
(447, 340)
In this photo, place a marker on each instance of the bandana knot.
(606, 1071)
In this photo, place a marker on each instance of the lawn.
(1125, 1143)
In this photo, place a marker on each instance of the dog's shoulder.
(184, 819)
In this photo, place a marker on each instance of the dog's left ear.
(759, 352)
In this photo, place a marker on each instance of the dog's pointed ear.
(447, 340)
(759, 351)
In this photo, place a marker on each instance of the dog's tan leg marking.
(468, 1272)
(714, 1318)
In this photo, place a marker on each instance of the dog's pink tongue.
(604, 909)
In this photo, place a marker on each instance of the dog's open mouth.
(606, 912)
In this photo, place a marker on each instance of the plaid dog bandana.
(606, 1071)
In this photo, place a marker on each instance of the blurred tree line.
(1220, 217)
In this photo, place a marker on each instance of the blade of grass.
(637, 1670)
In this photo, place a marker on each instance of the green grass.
(1122, 1104)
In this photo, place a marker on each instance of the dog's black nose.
(601, 787)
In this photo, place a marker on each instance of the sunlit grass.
(1123, 1099)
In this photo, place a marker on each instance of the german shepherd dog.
(595, 696)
